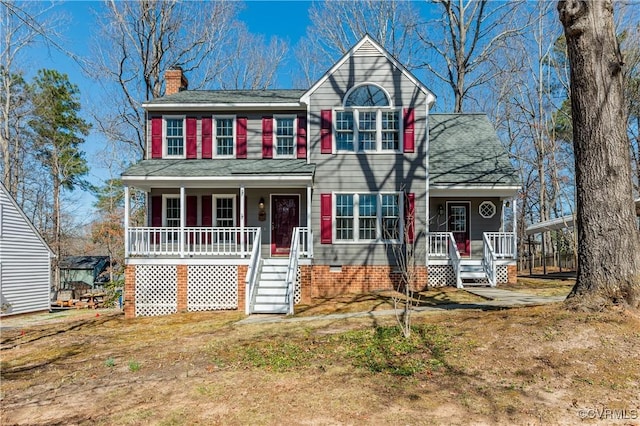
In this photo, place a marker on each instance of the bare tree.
(608, 238)
(23, 24)
(471, 34)
(337, 25)
(138, 41)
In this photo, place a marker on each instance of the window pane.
(175, 144)
(344, 131)
(367, 216)
(367, 95)
(284, 137)
(367, 130)
(390, 130)
(224, 212)
(390, 217)
(224, 136)
(344, 217)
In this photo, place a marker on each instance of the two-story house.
(257, 200)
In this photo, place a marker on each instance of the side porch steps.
(472, 273)
(271, 292)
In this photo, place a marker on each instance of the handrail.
(503, 244)
(454, 254)
(489, 260)
(253, 271)
(292, 267)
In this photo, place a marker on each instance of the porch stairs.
(472, 273)
(270, 295)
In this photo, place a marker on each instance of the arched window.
(367, 122)
(366, 95)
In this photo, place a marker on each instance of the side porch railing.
(301, 247)
(489, 260)
(253, 272)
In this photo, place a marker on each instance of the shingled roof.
(204, 97)
(465, 150)
(223, 167)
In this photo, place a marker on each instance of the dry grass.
(538, 365)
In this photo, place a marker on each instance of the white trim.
(356, 230)
(236, 106)
(214, 133)
(186, 261)
(446, 214)
(271, 206)
(367, 83)
(495, 210)
(275, 119)
(165, 145)
(355, 111)
(430, 97)
(455, 190)
(214, 213)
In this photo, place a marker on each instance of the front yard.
(535, 365)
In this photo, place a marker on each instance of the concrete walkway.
(496, 299)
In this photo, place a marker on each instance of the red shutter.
(241, 137)
(192, 148)
(410, 216)
(409, 121)
(325, 218)
(156, 137)
(302, 137)
(267, 137)
(207, 210)
(207, 140)
(156, 211)
(192, 210)
(325, 131)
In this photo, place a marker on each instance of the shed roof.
(465, 150)
(82, 262)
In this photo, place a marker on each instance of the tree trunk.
(608, 238)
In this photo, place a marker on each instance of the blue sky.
(285, 19)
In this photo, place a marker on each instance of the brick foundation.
(130, 291)
(182, 272)
(512, 274)
(305, 283)
(242, 289)
(358, 279)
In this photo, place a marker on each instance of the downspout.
(126, 222)
(426, 182)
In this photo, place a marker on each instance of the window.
(174, 130)
(487, 209)
(369, 119)
(224, 212)
(172, 212)
(285, 137)
(224, 136)
(367, 217)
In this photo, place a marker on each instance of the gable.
(367, 61)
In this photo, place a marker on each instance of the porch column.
(309, 240)
(514, 203)
(126, 221)
(183, 218)
(242, 219)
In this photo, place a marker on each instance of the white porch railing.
(301, 246)
(489, 260)
(439, 244)
(305, 236)
(503, 243)
(253, 272)
(454, 254)
(192, 241)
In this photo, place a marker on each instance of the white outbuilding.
(25, 261)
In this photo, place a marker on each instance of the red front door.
(285, 215)
(458, 224)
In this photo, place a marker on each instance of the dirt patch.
(534, 365)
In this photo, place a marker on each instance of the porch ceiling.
(219, 173)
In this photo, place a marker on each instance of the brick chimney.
(175, 81)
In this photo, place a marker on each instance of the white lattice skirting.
(212, 287)
(297, 292)
(156, 290)
(443, 275)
